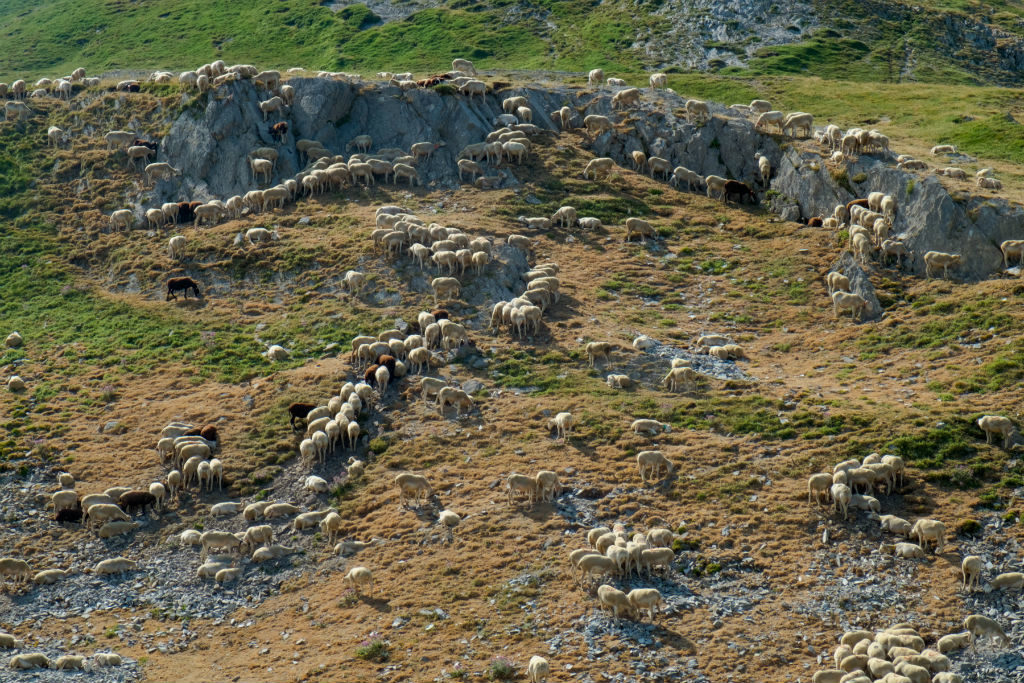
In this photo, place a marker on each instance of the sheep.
(908, 550)
(116, 565)
(841, 495)
(276, 510)
(714, 184)
(596, 564)
(121, 218)
(626, 97)
(620, 382)
(104, 512)
(7, 641)
(359, 578)
(520, 484)
(764, 167)
(971, 568)
(929, 530)
(63, 500)
(615, 599)
(254, 536)
(650, 464)
(562, 423)
(944, 149)
(136, 499)
(273, 104)
(548, 486)
(797, 122)
(30, 660)
(934, 259)
(817, 485)
(645, 598)
(595, 77)
(837, 282)
(111, 529)
(227, 574)
(697, 110)
(596, 124)
(565, 216)
(161, 171)
(1009, 581)
(953, 641)
(412, 486)
(894, 248)
(855, 303)
(774, 118)
(445, 288)
(48, 577)
(997, 424)
(602, 164)
(651, 427)
(638, 226)
(680, 378)
(896, 525)
(979, 626)
(452, 396)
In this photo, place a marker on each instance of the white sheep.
(651, 427)
(846, 301)
(841, 495)
(595, 76)
(997, 424)
(817, 485)
(538, 669)
(1009, 581)
(651, 463)
(562, 423)
(981, 626)
(658, 80)
(935, 259)
(645, 598)
(116, 565)
(359, 578)
(971, 568)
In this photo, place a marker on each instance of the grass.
(375, 650)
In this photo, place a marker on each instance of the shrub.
(375, 650)
(501, 669)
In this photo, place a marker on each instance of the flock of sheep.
(896, 655)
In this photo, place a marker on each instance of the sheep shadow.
(379, 604)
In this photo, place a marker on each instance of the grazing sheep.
(619, 382)
(837, 282)
(601, 164)
(453, 396)
(1012, 249)
(971, 568)
(928, 531)
(359, 578)
(596, 124)
(626, 97)
(30, 660)
(997, 424)
(817, 485)
(520, 484)
(697, 110)
(116, 565)
(843, 301)
(680, 378)
(412, 486)
(538, 669)
(638, 226)
(981, 626)
(597, 350)
(1009, 581)
(645, 599)
(651, 463)
(161, 170)
(935, 259)
(595, 77)
(562, 423)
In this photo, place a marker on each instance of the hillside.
(879, 41)
(761, 583)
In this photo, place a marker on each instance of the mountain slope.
(881, 40)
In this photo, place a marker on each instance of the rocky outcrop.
(928, 218)
(211, 144)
